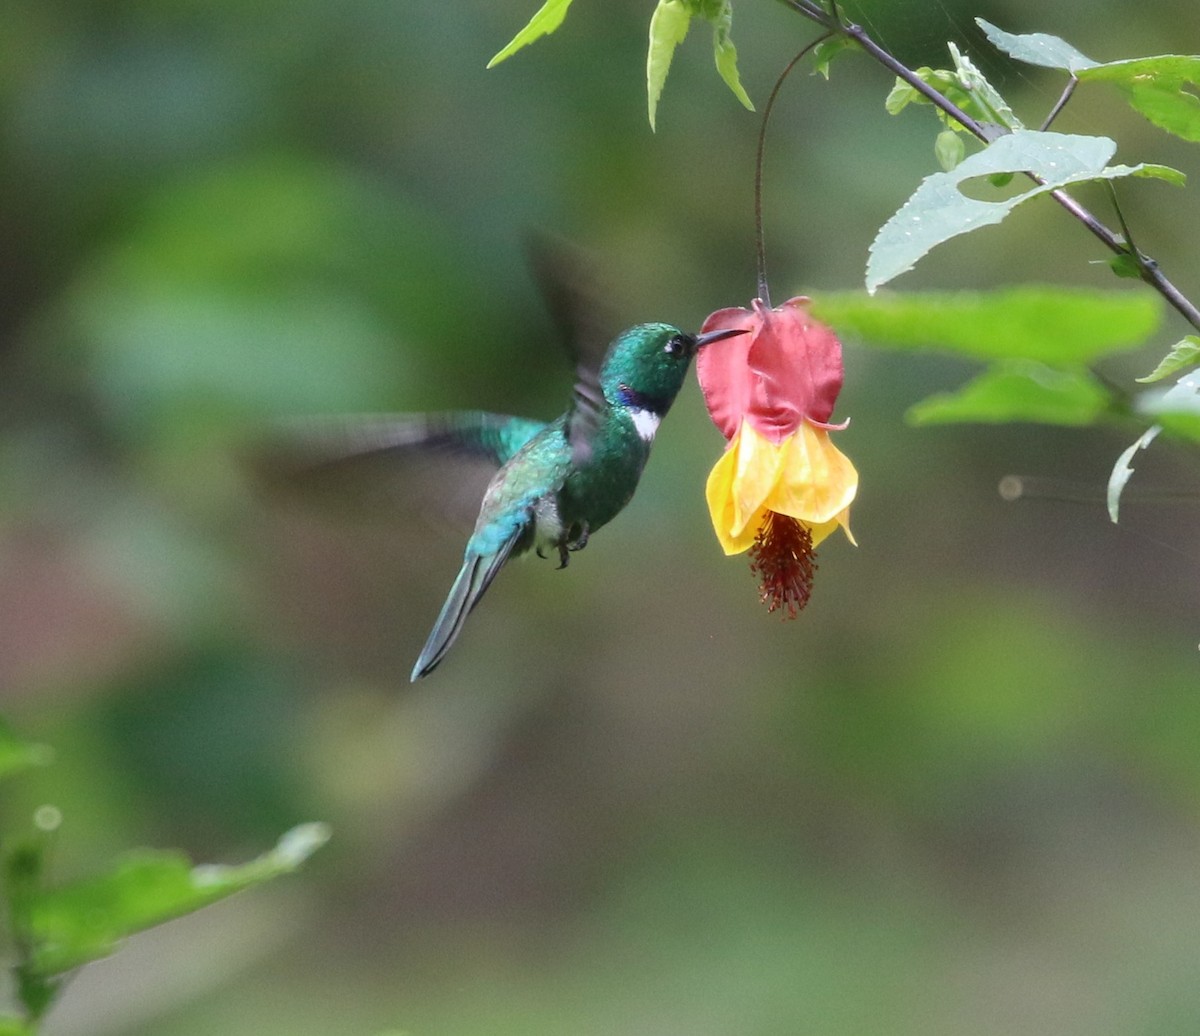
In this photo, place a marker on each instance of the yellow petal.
(821, 531)
(718, 492)
(735, 529)
(817, 482)
(760, 463)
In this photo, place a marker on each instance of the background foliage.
(960, 794)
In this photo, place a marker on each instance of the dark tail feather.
(474, 578)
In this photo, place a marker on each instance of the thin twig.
(1060, 104)
(759, 237)
(1130, 247)
(1148, 269)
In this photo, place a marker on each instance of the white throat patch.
(646, 422)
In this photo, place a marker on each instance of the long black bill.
(716, 336)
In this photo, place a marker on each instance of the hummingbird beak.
(716, 336)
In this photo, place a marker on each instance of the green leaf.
(725, 54)
(17, 755)
(1019, 390)
(668, 28)
(902, 95)
(1125, 265)
(1177, 409)
(1060, 326)
(1037, 48)
(985, 98)
(85, 920)
(1158, 87)
(949, 149)
(828, 50)
(24, 863)
(938, 210)
(548, 18)
(1123, 470)
(10, 1026)
(1183, 354)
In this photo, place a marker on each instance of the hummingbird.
(557, 483)
(553, 484)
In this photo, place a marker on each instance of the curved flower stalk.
(781, 487)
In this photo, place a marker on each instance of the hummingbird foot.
(581, 540)
(577, 542)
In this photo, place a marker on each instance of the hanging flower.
(781, 486)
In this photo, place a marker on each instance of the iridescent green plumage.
(575, 474)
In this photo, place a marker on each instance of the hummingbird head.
(646, 365)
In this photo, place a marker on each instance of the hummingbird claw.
(564, 555)
(580, 541)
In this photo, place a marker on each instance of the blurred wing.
(583, 419)
(436, 464)
(493, 438)
(581, 316)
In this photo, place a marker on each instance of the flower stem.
(1148, 269)
(759, 237)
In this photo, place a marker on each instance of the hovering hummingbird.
(555, 483)
(560, 482)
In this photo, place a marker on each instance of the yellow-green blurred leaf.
(725, 53)
(668, 28)
(17, 755)
(1062, 326)
(548, 18)
(1019, 390)
(1183, 354)
(86, 919)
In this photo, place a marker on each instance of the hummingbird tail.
(473, 579)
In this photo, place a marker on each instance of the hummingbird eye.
(676, 346)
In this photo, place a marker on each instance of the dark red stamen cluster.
(783, 557)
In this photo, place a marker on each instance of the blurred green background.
(961, 794)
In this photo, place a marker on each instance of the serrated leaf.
(668, 28)
(725, 55)
(1123, 469)
(84, 920)
(1037, 48)
(548, 18)
(17, 755)
(1019, 390)
(1183, 354)
(1158, 87)
(939, 211)
(1061, 326)
(949, 149)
